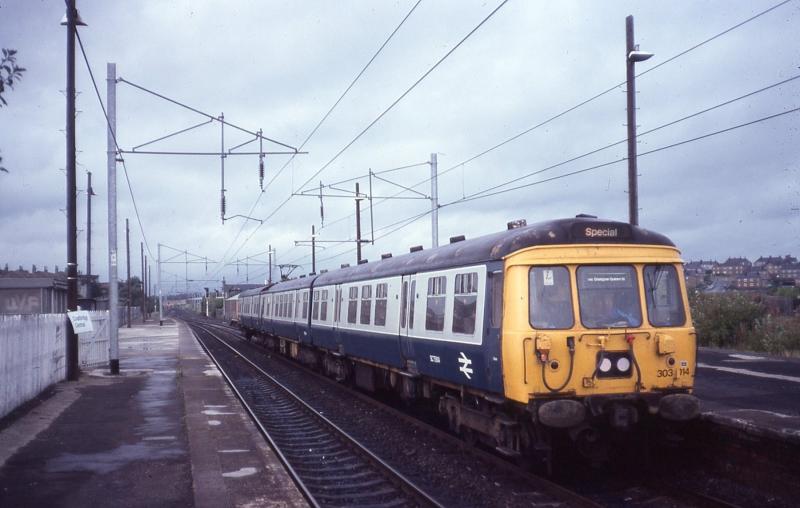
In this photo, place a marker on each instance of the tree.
(9, 72)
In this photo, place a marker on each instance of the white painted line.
(213, 372)
(245, 471)
(746, 357)
(233, 451)
(214, 423)
(159, 438)
(748, 372)
(771, 413)
(214, 412)
(215, 405)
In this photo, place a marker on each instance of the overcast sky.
(280, 66)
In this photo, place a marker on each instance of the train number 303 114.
(671, 372)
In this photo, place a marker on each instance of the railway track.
(458, 475)
(644, 493)
(329, 466)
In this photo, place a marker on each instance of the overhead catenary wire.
(314, 131)
(643, 133)
(380, 116)
(114, 137)
(481, 195)
(580, 104)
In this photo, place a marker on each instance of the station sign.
(81, 321)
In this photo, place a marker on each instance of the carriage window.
(550, 298)
(352, 305)
(366, 304)
(315, 306)
(609, 297)
(305, 304)
(403, 304)
(663, 293)
(434, 311)
(497, 299)
(381, 292)
(323, 305)
(465, 303)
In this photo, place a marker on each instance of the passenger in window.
(611, 310)
(556, 307)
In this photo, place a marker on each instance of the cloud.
(280, 66)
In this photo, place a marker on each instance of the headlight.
(623, 364)
(605, 365)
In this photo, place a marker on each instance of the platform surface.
(751, 391)
(166, 432)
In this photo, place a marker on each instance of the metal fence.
(33, 350)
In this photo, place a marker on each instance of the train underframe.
(594, 425)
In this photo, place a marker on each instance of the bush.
(725, 319)
(778, 335)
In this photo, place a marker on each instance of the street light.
(632, 55)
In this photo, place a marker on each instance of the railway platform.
(166, 432)
(755, 393)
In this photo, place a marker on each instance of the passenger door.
(408, 293)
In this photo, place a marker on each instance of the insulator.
(222, 205)
(261, 170)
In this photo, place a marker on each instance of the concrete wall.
(32, 354)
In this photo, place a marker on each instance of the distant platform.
(756, 393)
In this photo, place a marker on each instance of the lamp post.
(632, 55)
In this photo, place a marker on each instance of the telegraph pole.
(160, 291)
(144, 278)
(128, 260)
(111, 159)
(434, 201)
(269, 251)
(89, 194)
(632, 55)
(358, 225)
(313, 250)
(149, 278)
(73, 369)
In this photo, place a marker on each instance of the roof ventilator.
(386, 256)
(415, 248)
(344, 265)
(459, 238)
(514, 224)
(363, 261)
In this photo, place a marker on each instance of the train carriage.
(575, 324)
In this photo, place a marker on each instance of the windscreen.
(609, 296)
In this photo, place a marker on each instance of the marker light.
(605, 365)
(623, 364)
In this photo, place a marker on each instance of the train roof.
(251, 292)
(491, 247)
